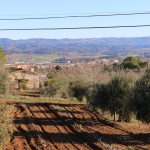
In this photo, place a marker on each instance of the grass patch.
(6, 123)
(38, 99)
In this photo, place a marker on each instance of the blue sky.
(39, 8)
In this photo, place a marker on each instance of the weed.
(79, 126)
(6, 123)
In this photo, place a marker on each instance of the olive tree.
(120, 90)
(114, 96)
(142, 98)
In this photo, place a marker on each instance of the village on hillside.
(31, 72)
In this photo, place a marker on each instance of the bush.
(57, 85)
(68, 83)
(13, 69)
(22, 84)
(78, 89)
(133, 63)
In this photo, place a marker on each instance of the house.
(32, 79)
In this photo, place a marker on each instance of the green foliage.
(120, 89)
(133, 63)
(58, 67)
(97, 96)
(114, 92)
(78, 88)
(113, 67)
(13, 69)
(114, 96)
(4, 81)
(22, 84)
(142, 98)
(56, 85)
(65, 84)
(2, 57)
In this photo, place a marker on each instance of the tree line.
(121, 93)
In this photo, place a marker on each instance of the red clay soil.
(51, 126)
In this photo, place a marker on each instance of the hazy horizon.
(75, 38)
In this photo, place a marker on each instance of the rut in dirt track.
(50, 126)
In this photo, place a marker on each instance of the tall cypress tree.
(3, 74)
(2, 57)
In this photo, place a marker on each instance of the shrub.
(57, 85)
(69, 82)
(22, 84)
(133, 63)
(13, 69)
(97, 96)
(78, 89)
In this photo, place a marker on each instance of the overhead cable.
(75, 16)
(74, 28)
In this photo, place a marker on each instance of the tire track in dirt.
(81, 127)
(52, 129)
(118, 134)
(51, 126)
(41, 128)
(22, 130)
(62, 128)
(65, 129)
(115, 131)
(95, 126)
(59, 128)
(77, 134)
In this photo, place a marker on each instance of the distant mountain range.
(85, 45)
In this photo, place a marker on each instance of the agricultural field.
(74, 126)
(34, 58)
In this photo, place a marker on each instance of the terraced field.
(64, 126)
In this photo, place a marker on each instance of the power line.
(76, 28)
(75, 16)
(73, 13)
(68, 14)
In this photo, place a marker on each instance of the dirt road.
(51, 126)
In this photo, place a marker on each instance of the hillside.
(81, 46)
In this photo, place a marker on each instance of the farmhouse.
(31, 79)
